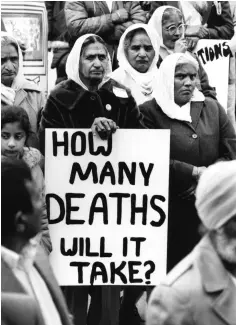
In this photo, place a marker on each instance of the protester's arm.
(226, 28)
(227, 136)
(167, 306)
(78, 22)
(45, 241)
(136, 15)
(207, 90)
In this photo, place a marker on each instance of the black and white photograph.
(118, 162)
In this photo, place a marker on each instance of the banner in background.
(108, 206)
(214, 56)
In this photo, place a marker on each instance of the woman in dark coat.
(201, 134)
(89, 98)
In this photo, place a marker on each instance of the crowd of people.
(124, 65)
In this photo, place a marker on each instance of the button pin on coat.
(194, 136)
(108, 107)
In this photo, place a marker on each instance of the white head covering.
(140, 84)
(164, 93)
(216, 194)
(72, 63)
(8, 93)
(156, 23)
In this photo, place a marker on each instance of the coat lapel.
(217, 283)
(196, 109)
(43, 267)
(9, 282)
(20, 96)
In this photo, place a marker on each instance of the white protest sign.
(107, 206)
(214, 57)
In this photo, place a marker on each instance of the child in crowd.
(15, 130)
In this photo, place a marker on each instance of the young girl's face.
(13, 140)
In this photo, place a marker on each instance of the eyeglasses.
(173, 29)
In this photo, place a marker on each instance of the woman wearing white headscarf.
(201, 134)
(15, 88)
(89, 97)
(168, 23)
(138, 54)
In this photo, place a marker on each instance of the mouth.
(11, 153)
(187, 92)
(142, 61)
(8, 74)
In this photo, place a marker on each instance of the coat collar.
(21, 93)
(215, 279)
(195, 112)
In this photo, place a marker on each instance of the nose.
(11, 143)
(9, 65)
(142, 53)
(97, 63)
(188, 82)
(177, 33)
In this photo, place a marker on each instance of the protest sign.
(107, 205)
(214, 56)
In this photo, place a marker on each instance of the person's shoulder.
(64, 87)
(30, 85)
(212, 106)
(181, 270)
(118, 89)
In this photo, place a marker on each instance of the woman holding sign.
(90, 98)
(201, 134)
(168, 22)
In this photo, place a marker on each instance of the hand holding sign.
(104, 127)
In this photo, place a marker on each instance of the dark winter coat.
(71, 106)
(209, 138)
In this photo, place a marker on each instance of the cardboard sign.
(107, 204)
(214, 56)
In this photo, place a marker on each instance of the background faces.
(140, 52)
(9, 64)
(93, 64)
(172, 30)
(184, 83)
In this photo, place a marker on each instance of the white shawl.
(72, 64)
(164, 93)
(8, 94)
(140, 84)
(156, 23)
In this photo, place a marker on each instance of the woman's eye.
(135, 48)
(5, 136)
(148, 48)
(102, 57)
(19, 136)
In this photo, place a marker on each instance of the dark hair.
(7, 40)
(14, 195)
(11, 114)
(130, 36)
(169, 12)
(91, 40)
